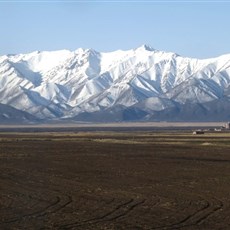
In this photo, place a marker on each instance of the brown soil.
(114, 180)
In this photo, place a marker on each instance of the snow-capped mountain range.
(138, 84)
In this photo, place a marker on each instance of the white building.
(227, 125)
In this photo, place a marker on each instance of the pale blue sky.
(193, 29)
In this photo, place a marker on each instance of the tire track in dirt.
(60, 205)
(217, 205)
(129, 209)
(60, 201)
(36, 213)
(198, 217)
(119, 211)
(54, 207)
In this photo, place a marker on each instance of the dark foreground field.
(114, 180)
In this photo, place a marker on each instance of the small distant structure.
(227, 125)
(218, 129)
(198, 132)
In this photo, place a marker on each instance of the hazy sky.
(190, 28)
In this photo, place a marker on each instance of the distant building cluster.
(226, 126)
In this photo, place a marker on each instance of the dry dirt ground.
(114, 180)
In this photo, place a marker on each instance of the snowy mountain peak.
(145, 47)
(141, 83)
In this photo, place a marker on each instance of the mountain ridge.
(138, 84)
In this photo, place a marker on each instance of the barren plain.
(168, 179)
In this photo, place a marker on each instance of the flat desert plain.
(168, 179)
